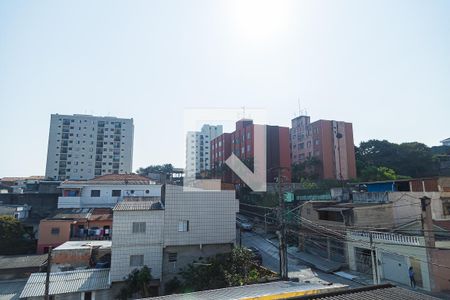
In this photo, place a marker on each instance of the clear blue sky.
(382, 65)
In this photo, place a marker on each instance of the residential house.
(384, 222)
(105, 191)
(74, 224)
(19, 212)
(138, 237)
(166, 233)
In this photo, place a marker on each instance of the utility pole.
(282, 231)
(47, 278)
(374, 262)
(428, 234)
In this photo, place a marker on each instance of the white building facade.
(138, 239)
(85, 146)
(188, 226)
(198, 149)
(105, 191)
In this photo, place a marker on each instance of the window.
(136, 260)
(138, 227)
(446, 206)
(173, 257)
(55, 231)
(116, 193)
(95, 193)
(183, 225)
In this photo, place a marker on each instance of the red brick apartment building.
(328, 140)
(241, 143)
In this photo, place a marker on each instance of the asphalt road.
(270, 257)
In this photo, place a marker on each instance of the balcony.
(386, 238)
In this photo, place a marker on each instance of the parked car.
(257, 257)
(244, 224)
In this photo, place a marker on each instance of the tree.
(407, 159)
(138, 281)
(160, 169)
(223, 270)
(372, 173)
(13, 237)
(306, 170)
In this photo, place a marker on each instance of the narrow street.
(270, 257)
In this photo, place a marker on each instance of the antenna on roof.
(299, 107)
(243, 112)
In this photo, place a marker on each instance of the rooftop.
(10, 289)
(77, 245)
(66, 282)
(379, 292)
(116, 179)
(22, 178)
(279, 289)
(22, 261)
(150, 203)
(91, 214)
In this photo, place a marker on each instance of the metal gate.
(395, 268)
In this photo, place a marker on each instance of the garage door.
(395, 268)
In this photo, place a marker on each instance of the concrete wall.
(441, 269)
(407, 207)
(373, 216)
(384, 248)
(126, 243)
(186, 255)
(74, 258)
(46, 238)
(211, 216)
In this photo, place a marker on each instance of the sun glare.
(260, 19)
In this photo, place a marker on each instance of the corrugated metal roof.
(22, 261)
(286, 289)
(380, 292)
(66, 282)
(139, 205)
(11, 289)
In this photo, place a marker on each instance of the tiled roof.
(22, 261)
(380, 292)
(66, 282)
(132, 179)
(152, 203)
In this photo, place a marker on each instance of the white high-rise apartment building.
(84, 146)
(198, 149)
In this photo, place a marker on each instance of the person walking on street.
(412, 280)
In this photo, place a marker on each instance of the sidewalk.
(310, 260)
